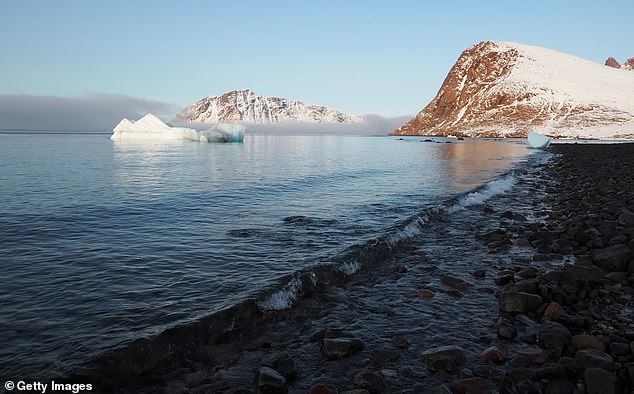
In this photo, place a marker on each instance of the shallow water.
(102, 242)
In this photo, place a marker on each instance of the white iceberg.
(150, 127)
(538, 141)
(223, 132)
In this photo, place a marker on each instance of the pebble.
(493, 354)
(334, 348)
(270, 381)
(588, 358)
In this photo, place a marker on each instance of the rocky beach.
(530, 292)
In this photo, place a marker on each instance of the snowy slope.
(508, 89)
(245, 106)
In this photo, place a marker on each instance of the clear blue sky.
(380, 57)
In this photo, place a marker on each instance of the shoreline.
(355, 335)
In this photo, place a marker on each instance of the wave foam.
(491, 189)
(288, 295)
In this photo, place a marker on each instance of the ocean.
(104, 242)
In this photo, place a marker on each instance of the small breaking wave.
(497, 186)
(377, 250)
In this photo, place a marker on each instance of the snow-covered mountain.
(508, 89)
(245, 106)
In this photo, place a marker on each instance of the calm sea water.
(102, 242)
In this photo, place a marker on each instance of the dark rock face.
(611, 62)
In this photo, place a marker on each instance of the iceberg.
(223, 132)
(538, 141)
(151, 127)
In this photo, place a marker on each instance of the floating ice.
(538, 141)
(150, 127)
(223, 132)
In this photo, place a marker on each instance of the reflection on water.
(470, 160)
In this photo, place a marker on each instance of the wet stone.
(493, 354)
(612, 258)
(270, 381)
(581, 276)
(559, 386)
(322, 389)
(581, 341)
(196, 378)
(445, 358)
(441, 389)
(504, 279)
(473, 385)
(534, 354)
(369, 380)
(527, 273)
(572, 320)
(454, 282)
(554, 337)
(520, 302)
(335, 348)
(479, 273)
(521, 373)
(589, 358)
(551, 371)
(527, 387)
(506, 330)
(384, 355)
(284, 364)
(554, 310)
(599, 381)
(519, 361)
(399, 342)
(176, 387)
(619, 349)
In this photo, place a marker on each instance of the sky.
(361, 57)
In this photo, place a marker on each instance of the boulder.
(369, 380)
(580, 342)
(493, 354)
(599, 381)
(447, 358)
(506, 330)
(589, 358)
(554, 310)
(554, 337)
(270, 381)
(612, 258)
(579, 276)
(475, 385)
(520, 302)
(321, 389)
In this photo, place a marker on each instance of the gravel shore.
(536, 299)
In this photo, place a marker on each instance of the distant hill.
(245, 106)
